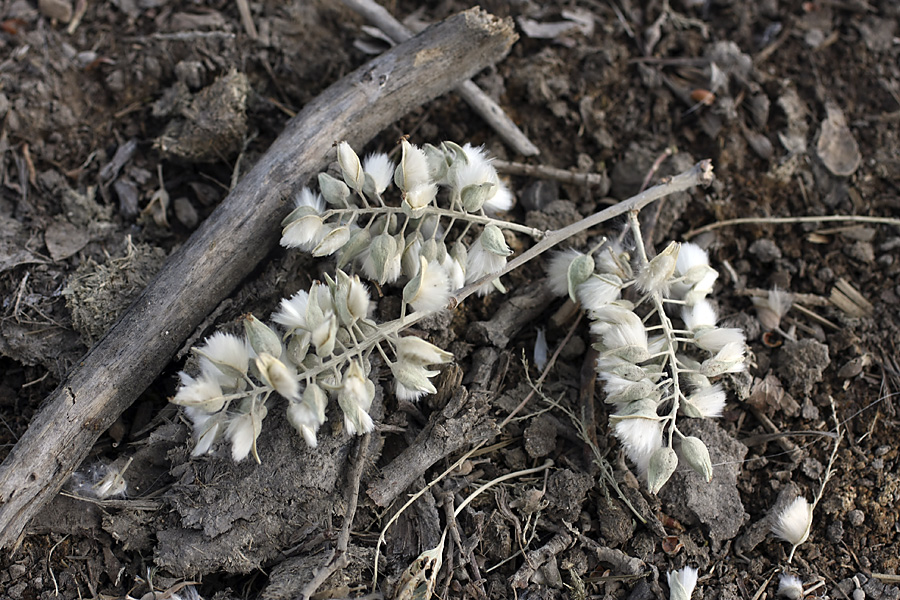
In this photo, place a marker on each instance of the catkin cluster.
(433, 234)
(652, 370)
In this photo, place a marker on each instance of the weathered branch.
(463, 422)
(239, 234)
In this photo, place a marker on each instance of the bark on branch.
(226, 248)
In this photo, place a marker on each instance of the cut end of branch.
(706, 176)
(492, 25)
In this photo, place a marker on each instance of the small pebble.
(856, 517)
(860, 251)
(812, 468)
(891, 244)
(859, 234)
(539, 194)
(186, 213)
(809, 411)
(851, 368)
(835, 532)
(17, 571)
(61, 10)
(858, 595)
(814, 38)
(765, 250)
(17, 591)
(837, 148)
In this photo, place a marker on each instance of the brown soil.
(801, 118)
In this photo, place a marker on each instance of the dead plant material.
(227, 247)
(461, 423)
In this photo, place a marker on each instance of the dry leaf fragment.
(836, 146)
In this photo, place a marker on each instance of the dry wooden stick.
(247, 19)
(480, 102)
(226, 248)
(461, 423)
(564, 176)
(338, 558)
(536, 558)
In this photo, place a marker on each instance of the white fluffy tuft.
(381, 169)
(794, 522)
(640, 438)
(558, 270)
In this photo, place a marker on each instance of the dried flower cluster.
(651, 369)
(321, 340)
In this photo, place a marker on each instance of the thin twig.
(480, 102)
(699, 174)
(829, 470)
(186, 36)
(808, 299)
(654, 219)
(816, 317)
(784, 220)
(247, 19)
(536, 558)
(465, 553)
(339, 558)
(547, 464)
(544, 373)
(50, 568)
(669, 151)
(564, 176)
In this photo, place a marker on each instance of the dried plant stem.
(563, 176)
(547, 464)
(829, 470)
(50, 566)
(666, 324)
(544, 373)
(699, 174)
(338, 558)
(808, 299)
(247, 19)
(441, 212)
(789, 220)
